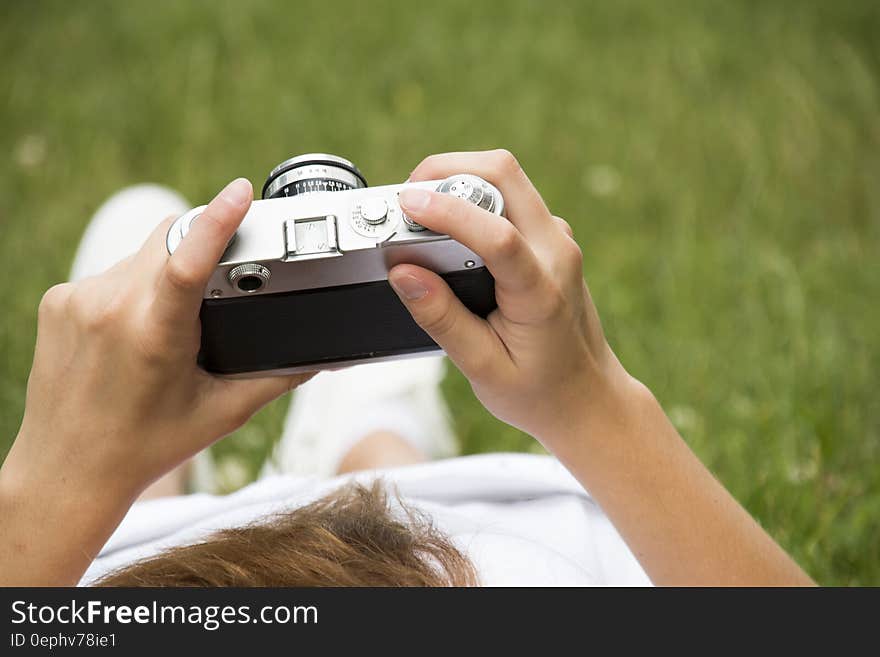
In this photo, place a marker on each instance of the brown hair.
(347, 538)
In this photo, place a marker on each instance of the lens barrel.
(310, 173)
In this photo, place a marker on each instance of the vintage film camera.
(303, 285)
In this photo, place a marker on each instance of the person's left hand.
(115, 398)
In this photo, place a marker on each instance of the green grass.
(720, 162)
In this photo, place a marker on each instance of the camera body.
(303, 284)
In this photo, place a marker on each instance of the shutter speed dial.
(467, 187)
(470, 188)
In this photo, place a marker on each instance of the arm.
(682, 525)
(115, 399)
(540, 362)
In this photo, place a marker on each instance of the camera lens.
(310, 173)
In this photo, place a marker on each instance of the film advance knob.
(374, 210)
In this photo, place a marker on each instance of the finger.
(238, 399)
(564, 226)
(182, 282)
(153, 255)
(468, 340)
(502, 247)
(523, 204)
(51, 313)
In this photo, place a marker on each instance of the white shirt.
(522, 519)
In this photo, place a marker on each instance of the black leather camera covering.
(322, 326)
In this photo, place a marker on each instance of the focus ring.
(317, 167)
(315, 185)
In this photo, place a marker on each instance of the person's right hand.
(541, 359)
(116, 398)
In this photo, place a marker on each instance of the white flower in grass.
(30, 151)
(602, 180)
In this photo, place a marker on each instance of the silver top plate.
(322, 240)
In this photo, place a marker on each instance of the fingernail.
(414, 200)
(238, 192)
(409, 287)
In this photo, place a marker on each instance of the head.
(351, 537)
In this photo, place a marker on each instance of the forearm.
(53, 524)
(679, 521)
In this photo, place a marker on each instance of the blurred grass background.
(720, 162)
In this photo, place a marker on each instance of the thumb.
(238, 399)
(469, 341)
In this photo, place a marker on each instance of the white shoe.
(122, 225)
(330, 413)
